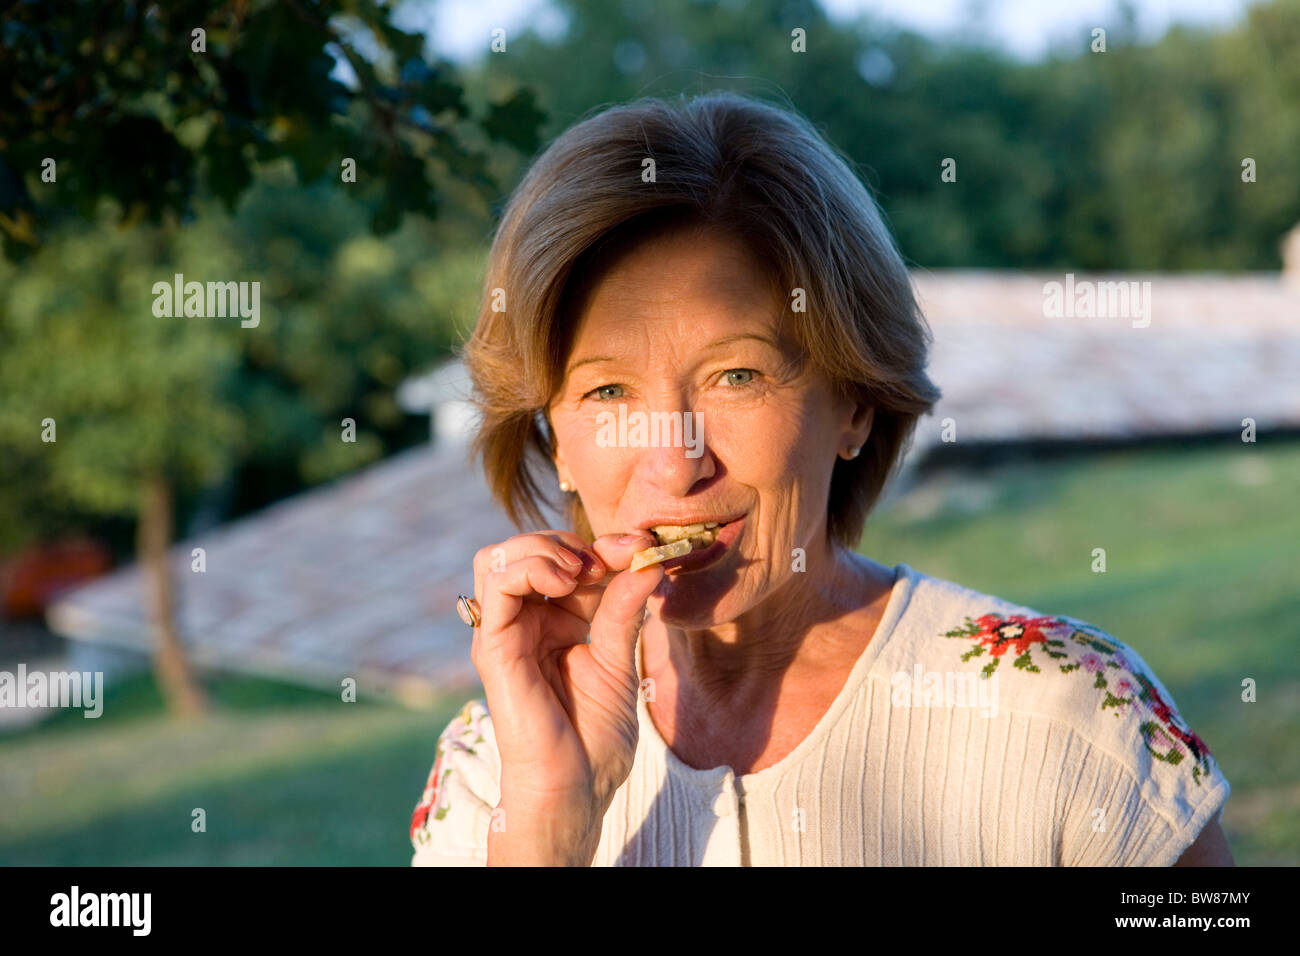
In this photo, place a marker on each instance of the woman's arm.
(1209, 849)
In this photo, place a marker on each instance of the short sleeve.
(1147, 785)
(454, 815)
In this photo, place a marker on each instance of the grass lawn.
(284, 775)
(1202, 551)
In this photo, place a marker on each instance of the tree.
(1125, 159)
(126, 116)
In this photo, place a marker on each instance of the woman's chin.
(699, 602)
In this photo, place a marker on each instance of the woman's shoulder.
(1058, 667)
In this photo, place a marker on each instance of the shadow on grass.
(351, 809)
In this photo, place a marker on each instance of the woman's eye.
(733, 377)
(600, 393)
(746, 376)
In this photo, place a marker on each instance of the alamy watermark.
(212, 300)
(945, 689)
(53, 689)
(75, 908)
(651, 430)
(1086, 299)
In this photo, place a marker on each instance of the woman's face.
(684, 333)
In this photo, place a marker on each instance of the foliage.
(345, 316)
(1127, 159)
(132, 105)
(225, 164)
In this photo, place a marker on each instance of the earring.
(853, 452)
(565, 486)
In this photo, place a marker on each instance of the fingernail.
(593, 564)
(571, 559)
(631, 538)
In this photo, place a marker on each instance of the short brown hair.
(723, 160)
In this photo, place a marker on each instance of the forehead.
(685, 283)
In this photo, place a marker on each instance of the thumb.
(618, 620)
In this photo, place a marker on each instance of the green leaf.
(517, 121)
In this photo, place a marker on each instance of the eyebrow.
(717, 343)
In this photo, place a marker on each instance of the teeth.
(668, 533)
(676, 540)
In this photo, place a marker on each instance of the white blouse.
(971, 732)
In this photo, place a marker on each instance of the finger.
(504, 592)
(616, 554)
(558, 544)
(616, 550)
(618, 620)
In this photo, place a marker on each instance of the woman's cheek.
(735, 429)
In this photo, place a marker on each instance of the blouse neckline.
(899, 597)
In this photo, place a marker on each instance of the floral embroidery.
(1125, 685)
(461, 734)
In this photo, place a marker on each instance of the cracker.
(659, 554)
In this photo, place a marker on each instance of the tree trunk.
(184, 695)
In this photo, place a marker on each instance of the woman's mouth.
(709, 542)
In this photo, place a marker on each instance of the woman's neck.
(819, 621)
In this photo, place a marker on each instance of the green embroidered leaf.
(1100, 682)
(1024, 663)
(975, 651)
(969, 629)
(1066, 668)
(1149, 731)
(990, 667)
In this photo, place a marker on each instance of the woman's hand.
(563, 710)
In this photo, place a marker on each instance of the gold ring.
(468, 610)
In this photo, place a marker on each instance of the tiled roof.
(1217, 349)
(358, 578)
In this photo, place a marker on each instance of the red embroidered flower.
(427, 799)
(999, 634)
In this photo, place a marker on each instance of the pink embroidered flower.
(1124, 687)
(1092, 662)
(1159, 738)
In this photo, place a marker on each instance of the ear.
(859, 429)
(558, 460)
(561, 468)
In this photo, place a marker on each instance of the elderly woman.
(713, 269)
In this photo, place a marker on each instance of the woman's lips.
(696, 560)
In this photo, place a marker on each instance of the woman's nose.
(676, 456)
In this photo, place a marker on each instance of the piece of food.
(659, 554)
(674, 541)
